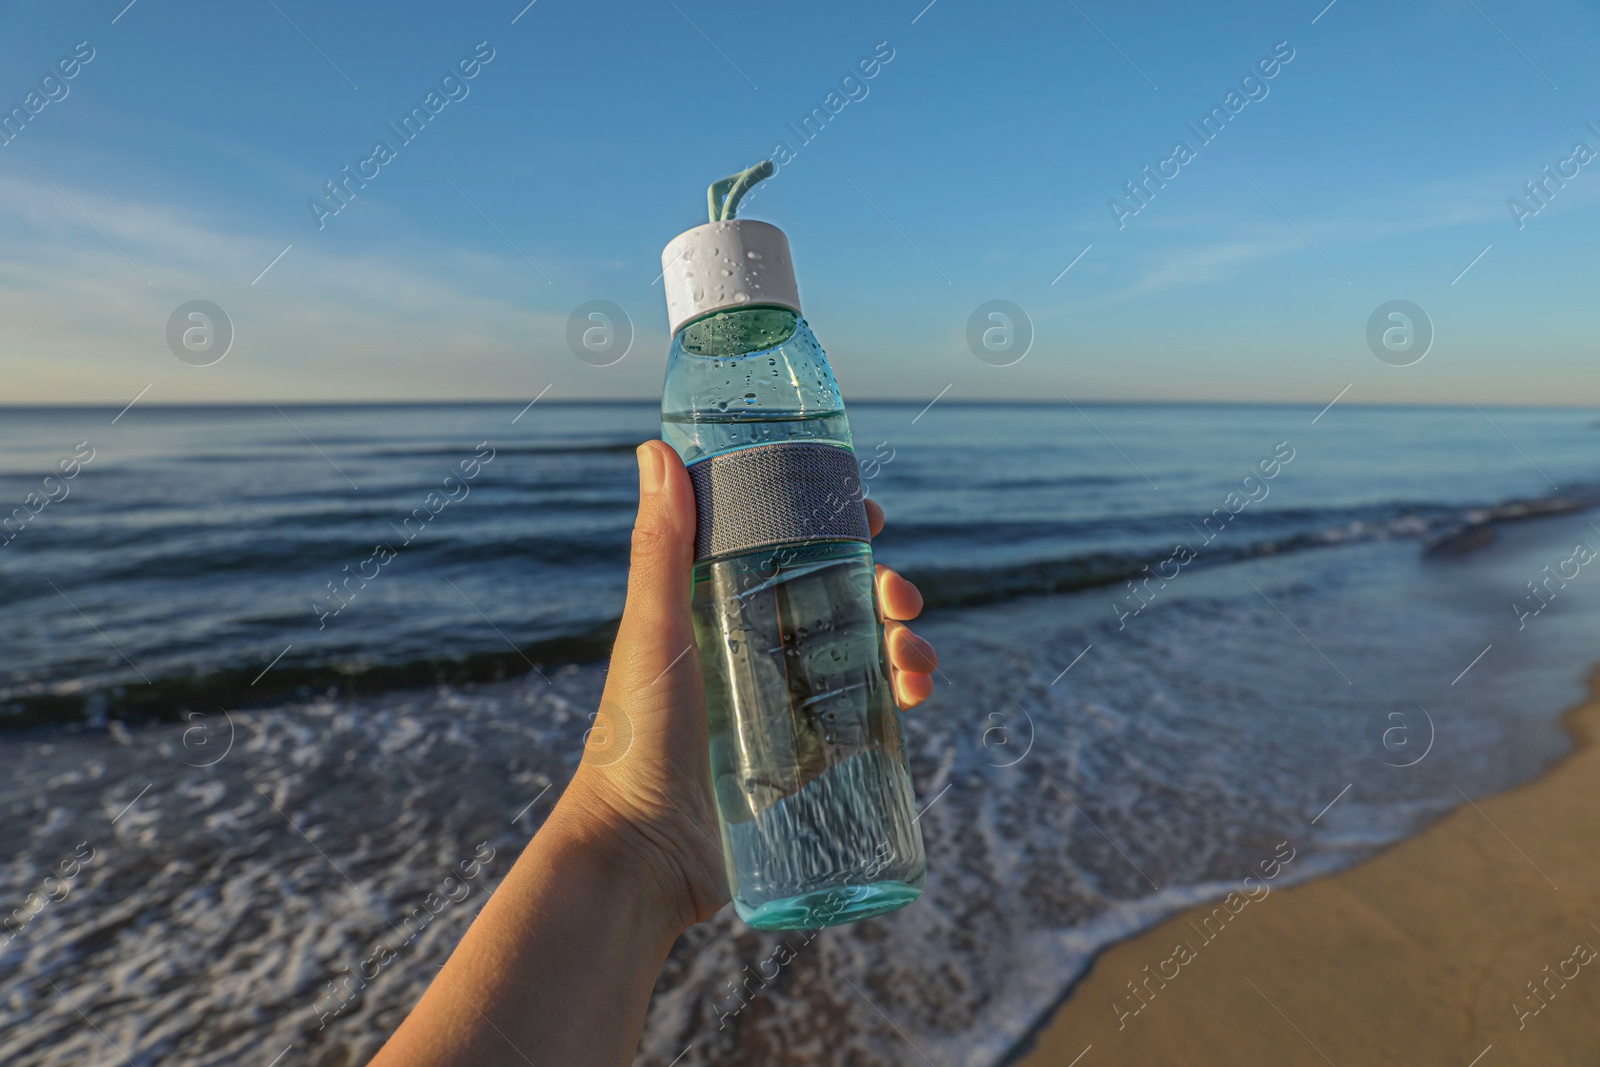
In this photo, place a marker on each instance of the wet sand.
(1473, 943)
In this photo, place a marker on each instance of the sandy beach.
(1471, 943)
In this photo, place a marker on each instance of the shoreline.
(1475, 934)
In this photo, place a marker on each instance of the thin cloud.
(408, 319)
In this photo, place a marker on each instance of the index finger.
(874, 518)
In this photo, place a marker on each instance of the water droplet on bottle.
(726, 273)
(749, 398)
(752, 254)
(740, 298)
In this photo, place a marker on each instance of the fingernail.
(652, 470)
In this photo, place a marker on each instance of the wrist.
(625, 851)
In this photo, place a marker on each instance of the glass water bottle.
(808, 764)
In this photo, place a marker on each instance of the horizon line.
(97, 405)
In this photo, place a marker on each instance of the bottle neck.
(751, 376)
(725, 334)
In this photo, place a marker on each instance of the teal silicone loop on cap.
(777, 494)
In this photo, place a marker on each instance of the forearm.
(559, 966)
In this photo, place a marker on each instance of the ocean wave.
(152, 558)
(1443, 530)
(599, 448)
(171, 697)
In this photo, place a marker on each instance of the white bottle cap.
(725, 265)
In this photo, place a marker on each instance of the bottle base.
(829, 907)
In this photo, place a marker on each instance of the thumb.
(656, 639)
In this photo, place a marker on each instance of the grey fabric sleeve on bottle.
(776, 494)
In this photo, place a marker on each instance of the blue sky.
(974, 165)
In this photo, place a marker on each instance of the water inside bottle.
(807, 760)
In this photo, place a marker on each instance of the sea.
(269, 674)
